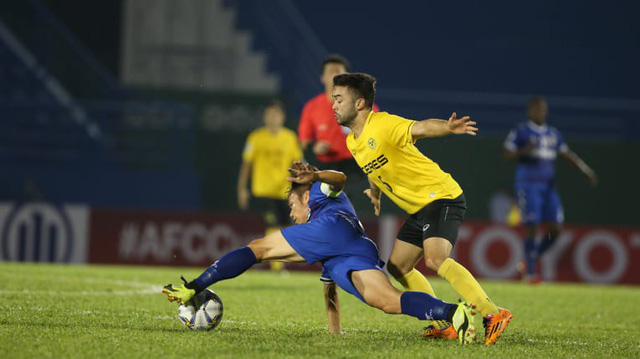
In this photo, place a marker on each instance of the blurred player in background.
(318, 124)
(328, 231)
(267, 154)
(383, 146)
(534, 146)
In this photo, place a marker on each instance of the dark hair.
(299, 188)
(335, 59)
(362, 85)
(536, 100)
(275, 102)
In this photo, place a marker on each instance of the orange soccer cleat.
(494, 325)
(439, 329)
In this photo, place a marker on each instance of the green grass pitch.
(61, 311)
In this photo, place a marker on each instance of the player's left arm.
(579, 164)
(305, 173)
(437, 128)
(333, 307)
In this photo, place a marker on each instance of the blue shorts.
(339, 244)
(539, 202)
(338, 269)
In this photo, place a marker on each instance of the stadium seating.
(92, 151)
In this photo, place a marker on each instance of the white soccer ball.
(202, 312)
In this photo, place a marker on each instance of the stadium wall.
(43, 232)
(223, 120)
(479, 168)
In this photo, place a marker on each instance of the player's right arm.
(510, 154)
(333, 307)
(515, 146)
(374, 194)
(243, 190)
(248, 155)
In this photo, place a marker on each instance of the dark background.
(581, 54)
(549, 47)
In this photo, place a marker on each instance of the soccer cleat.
(525, 277)
(439, 329)
(534, 279)
(494, 325)
(179, 293)
(462, 323)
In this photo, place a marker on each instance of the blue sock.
(423, 306)
(546, 244)
(530, 255)
(228, 266)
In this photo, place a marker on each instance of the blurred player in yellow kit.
(383, 146)
(267, 154)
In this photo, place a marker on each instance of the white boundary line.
(143, 288)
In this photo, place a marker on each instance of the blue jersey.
(535, 189)
(322, 201)
(332, 228)
(538, 166)
(334, 237)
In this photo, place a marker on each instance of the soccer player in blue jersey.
(328, 231)
(534, 146)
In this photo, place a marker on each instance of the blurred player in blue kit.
(328, 231)
(535, 146)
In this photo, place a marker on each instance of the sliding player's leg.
(376, 290)
(234, 263)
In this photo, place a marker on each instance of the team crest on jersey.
(372, 143)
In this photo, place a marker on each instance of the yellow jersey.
(270, 156)
(386, 153)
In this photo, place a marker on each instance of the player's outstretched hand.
(301, 173)
(462, 126)
(374, 201)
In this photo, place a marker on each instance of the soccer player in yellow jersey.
(383, 146)
(266, 158)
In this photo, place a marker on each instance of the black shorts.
(441, 218)
(275, 212)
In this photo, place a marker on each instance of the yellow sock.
(467, 286)
(276, 266)
(271, 230)
(415, 281)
